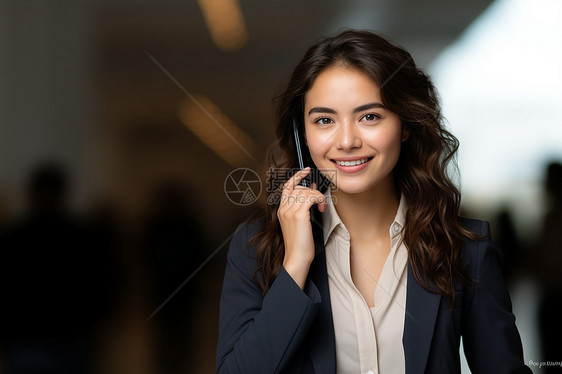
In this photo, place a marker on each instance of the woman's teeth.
(352, 163)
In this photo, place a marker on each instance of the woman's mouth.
(351, 166)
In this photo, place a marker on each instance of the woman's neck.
(368, 215)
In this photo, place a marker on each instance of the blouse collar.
(331, 219)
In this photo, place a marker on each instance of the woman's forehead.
(342, 86)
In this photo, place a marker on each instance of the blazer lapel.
(322, 338)
(419, 323)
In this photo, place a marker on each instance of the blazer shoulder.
(241, 251)
(479, 227)
(480, 250)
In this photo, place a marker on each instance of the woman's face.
(349, 130)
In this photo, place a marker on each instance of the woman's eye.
(370, 117)
(324, 121)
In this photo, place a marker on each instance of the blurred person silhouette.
(173, 252)
(508, 242)
(105, 236)
(549, 258)
(50, 296)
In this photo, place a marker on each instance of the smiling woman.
(377, 273)
(344, 132)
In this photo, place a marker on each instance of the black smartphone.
(306, 181)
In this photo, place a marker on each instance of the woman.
(377, 273)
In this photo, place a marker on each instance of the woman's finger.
(319, 198)
(304, 198)
(295, 179)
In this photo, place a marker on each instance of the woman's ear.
(405, 132)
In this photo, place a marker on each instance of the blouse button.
(395, 230)
(370, 372)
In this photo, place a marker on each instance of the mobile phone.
(306, 181)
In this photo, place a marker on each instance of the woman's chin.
(350, 188)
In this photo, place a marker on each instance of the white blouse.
(368, 340)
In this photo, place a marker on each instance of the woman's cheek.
(319, 145)
(384, 140)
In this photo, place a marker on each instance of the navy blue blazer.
(291, 330)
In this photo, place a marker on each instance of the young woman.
(373, 272)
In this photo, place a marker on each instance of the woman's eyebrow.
(319, 109)
(368, 106)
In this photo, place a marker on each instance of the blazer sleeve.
(260, 334)
(490, 339)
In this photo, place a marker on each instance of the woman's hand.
(294, 218)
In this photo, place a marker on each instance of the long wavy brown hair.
(432, 234)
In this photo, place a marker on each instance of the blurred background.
(120, 122)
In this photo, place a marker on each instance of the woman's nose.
(347, 137)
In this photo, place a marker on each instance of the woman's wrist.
(297, 270)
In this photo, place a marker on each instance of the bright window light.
(501, 88)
